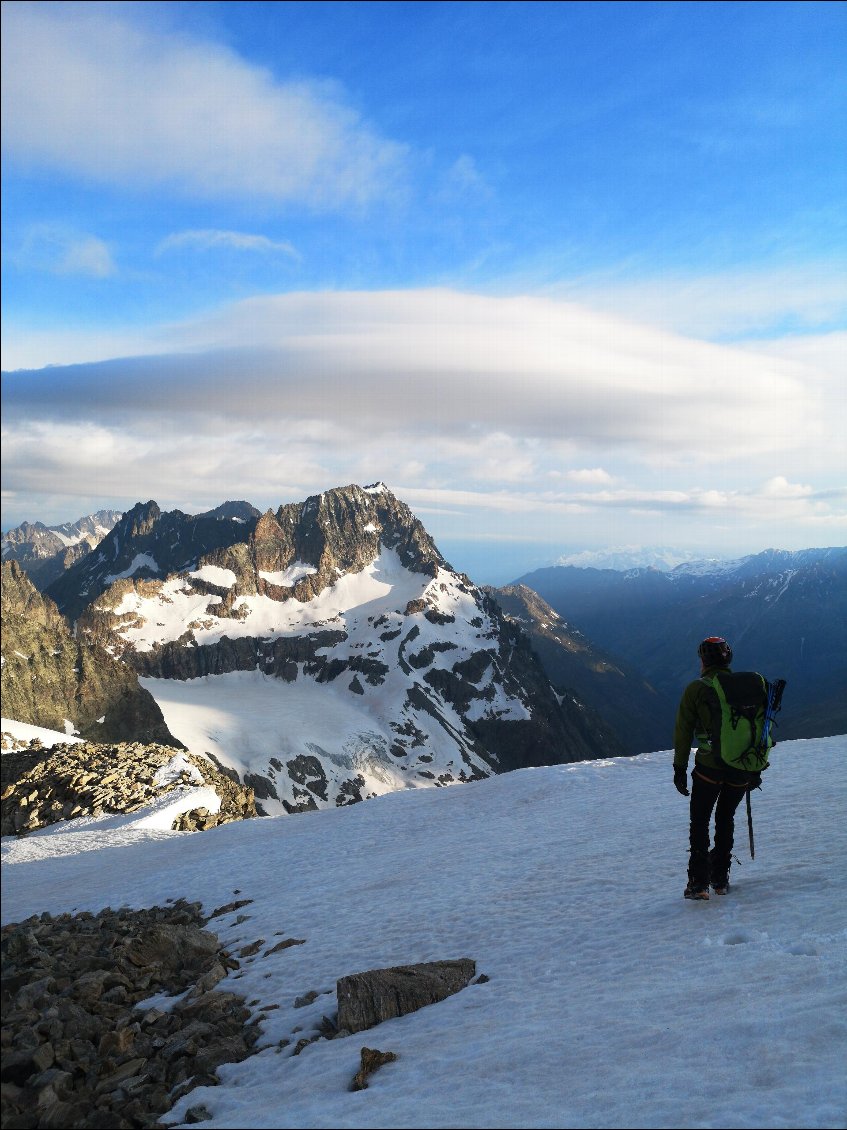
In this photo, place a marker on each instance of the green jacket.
(692, 725)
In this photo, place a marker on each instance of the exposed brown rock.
(372, 1060)
(49, 676)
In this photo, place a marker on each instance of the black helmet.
(715, 652)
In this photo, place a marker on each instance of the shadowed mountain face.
(326, 651)
(624, 704)
(785, 614)
(52, 680)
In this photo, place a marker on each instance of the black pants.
(723, 797)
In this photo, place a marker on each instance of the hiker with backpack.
(728, 716)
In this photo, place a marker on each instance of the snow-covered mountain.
(44, 552)
(147, 543)
(625, 557)
(326, 651)
(609, 1000)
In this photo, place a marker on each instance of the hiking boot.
(692, 892)
(719, 866)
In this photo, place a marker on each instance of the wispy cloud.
(92, 94)
(464, 181)
(61, 250)
(211, 239)
(760, 302)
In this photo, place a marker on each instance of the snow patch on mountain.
(215, 575)
(285, 578)
(301, 734)
(21, 733)
(140, 561)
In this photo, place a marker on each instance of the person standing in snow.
(715, 786)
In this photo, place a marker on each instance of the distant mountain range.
(44, 552)
(631, 557)
(784, 613)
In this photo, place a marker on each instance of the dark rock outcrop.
(367, 999)
(146, 544)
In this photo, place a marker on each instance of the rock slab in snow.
(366, 999)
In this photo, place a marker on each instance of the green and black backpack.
(742, 708)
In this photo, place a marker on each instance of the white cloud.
(524, 413)
(593, 475)
(94, 95)
(210, 239)
(779, 487)
(64, 251)
(466, 367)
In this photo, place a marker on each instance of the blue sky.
(563, 275)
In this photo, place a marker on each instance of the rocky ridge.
(150, 543)
(621, 707)
(41, 787)
(53, 680)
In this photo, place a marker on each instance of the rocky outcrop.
(148, 543)
(42, 787)
(81, 1048)
(367, 999)
(51, 679)
(371, 1060)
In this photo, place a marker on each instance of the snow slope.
(24, 732)
(612, 1002)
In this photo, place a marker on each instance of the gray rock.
(366, 999)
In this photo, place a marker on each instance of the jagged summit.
(325, 649)
(304, 545)
(239, 510)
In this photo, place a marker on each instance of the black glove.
(680, 780)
